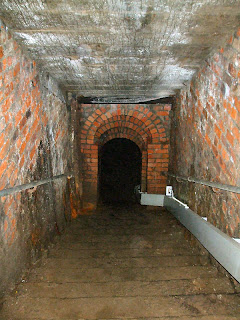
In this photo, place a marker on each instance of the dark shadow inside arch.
(120, 162)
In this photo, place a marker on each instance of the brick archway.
(117, 123)
(147, 126)
(127, 133)
(122, 132)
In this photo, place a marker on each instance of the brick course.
(205, 138)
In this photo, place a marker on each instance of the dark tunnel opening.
(120, 162)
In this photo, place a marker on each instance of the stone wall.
(34, 144)
(146, 125)
(205, 138)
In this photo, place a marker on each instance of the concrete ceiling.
(121, 50)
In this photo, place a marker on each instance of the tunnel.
(120, 162)
(98, 97)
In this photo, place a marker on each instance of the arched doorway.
(120, 162)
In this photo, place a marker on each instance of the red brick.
(8, 205)
(21, 163)
(236, 134)
(233, 113)
(232, 70)
(5, 226)
(3, 166)
(230, 138)
(168, 107)
(237, 103)
(13, 178)
(16, 69)
(1, 52)
(217, 131)
(162, 113)
(238, 32)
(33, 152)
(23, 146)
(208, 140)
(9, 170)
(4, 149)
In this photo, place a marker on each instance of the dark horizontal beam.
(101, 100)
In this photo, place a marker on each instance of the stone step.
(122, 274)
(109, 236)
(132, 243)
(126, 223)
(127, 262)
(123, 253)
(118, 308)
(127, 289)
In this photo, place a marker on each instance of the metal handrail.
(226, 187)
(8, 191)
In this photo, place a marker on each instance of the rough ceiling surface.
(121, 50)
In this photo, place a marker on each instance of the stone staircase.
(124, 263)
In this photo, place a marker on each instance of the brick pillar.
(157, 168)
(144, 171)
(90, 176)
